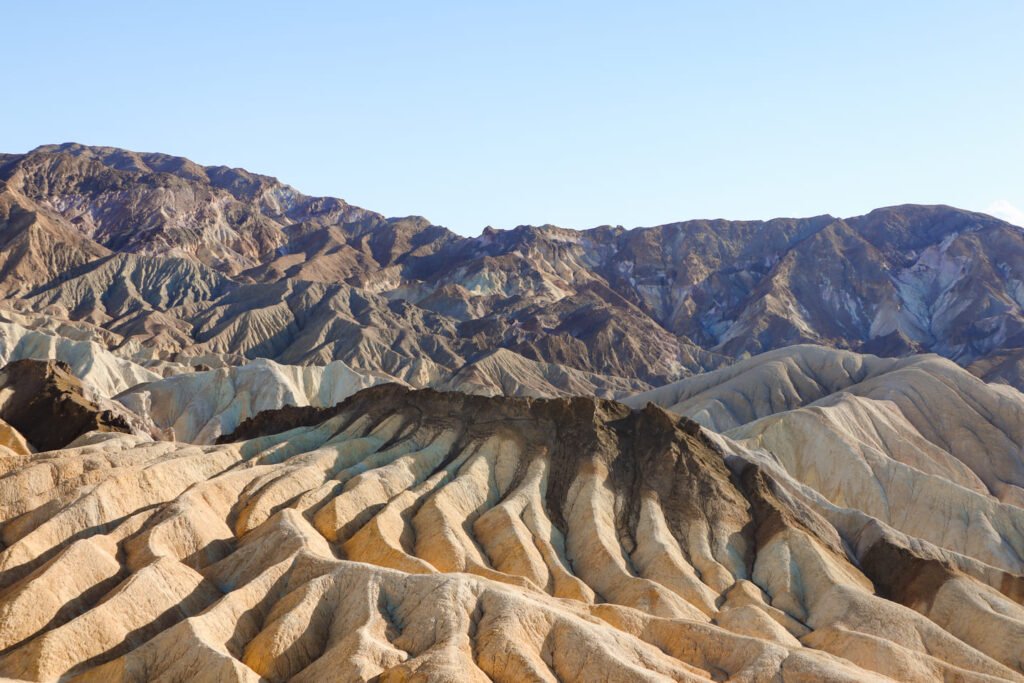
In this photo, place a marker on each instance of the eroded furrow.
(427, 536)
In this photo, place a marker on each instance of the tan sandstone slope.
(417, 535)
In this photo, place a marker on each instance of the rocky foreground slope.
(418, 535)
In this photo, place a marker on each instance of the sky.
(571, 113)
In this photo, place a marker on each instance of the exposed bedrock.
(420, 535)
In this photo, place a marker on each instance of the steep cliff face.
(418, 535)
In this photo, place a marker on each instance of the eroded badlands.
(419, 535)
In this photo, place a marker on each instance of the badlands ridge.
(252, 435)
(838, 525)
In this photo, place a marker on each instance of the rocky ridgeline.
(217, 262)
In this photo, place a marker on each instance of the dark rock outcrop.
(47, 404)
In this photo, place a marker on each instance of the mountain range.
(252, 435)
(183, 260)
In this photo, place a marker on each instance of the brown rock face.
(47, 404)
(426, 536)
(217, 261)
(1006, 367)
(278, 420)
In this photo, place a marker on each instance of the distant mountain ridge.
(193, 260)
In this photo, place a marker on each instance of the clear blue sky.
(573, 113)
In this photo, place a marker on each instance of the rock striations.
(419, 535)
(252, 435)
(197, 261)
(200, 406)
